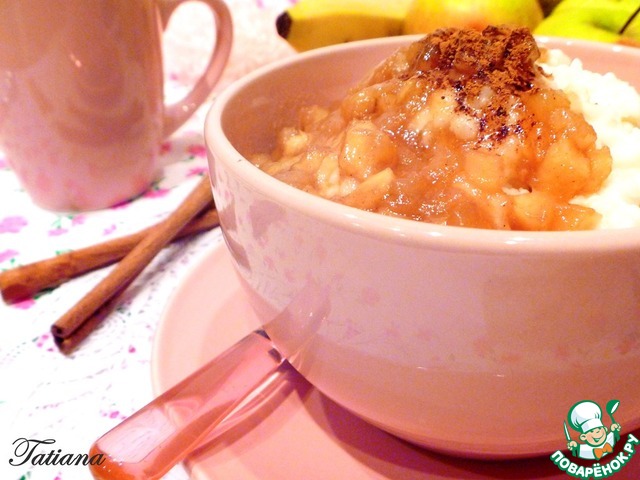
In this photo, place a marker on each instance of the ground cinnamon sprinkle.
(499, 58)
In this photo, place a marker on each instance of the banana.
(548, 6)
(316, 23)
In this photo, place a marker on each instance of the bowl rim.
(398, 229)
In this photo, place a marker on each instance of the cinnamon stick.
(89, 312)
(25, 281)
(68, 344)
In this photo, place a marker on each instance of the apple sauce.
(460, 128)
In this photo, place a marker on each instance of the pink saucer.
(299, 433)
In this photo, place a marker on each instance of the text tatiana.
(24, 453)
(597, 470)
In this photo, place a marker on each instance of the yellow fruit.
(548, 6)
(317, 23)
(425, 16)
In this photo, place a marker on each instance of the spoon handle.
(154, 439)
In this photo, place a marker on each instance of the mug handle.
(178, 113)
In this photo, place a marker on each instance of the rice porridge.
(478, 129)
(612, 107)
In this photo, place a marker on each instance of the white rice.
(612, 107)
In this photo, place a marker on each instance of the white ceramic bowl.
(468, 341)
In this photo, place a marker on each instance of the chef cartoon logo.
(594, 443)
(596, 439)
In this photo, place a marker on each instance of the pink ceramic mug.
(82, 112)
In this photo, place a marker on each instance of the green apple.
(425, 16)
(598, 20)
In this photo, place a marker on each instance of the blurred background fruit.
(548, 6)
(427, 15)
(316, 23)
(599, 20)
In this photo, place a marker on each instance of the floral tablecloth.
(74, 399)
